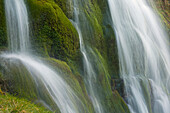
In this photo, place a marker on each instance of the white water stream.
(59, 90)
(17, 25)
(144, 55)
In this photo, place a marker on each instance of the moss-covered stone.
(111, 51)
(18, 78)
(52, 31)
(95, 19)
(121, 106)
(53, 35)
(112, 58)
(163, 7)
(112, 102)
(65, 5)
(3, 83)
(91, 22)
(75, 82)
(3, 35)
(23, 84)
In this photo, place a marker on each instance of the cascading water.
(18, 29)
(90, 75)
(58, 89)
(144, 56)
(18, 33)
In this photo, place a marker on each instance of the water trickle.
(90, 75)
(144, 55)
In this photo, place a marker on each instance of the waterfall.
(18, 34)
(17, 25)
(144, 55)
(90, 75)
(58, 89)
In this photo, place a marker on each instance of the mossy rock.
(112, 102)
(91, 21)
(119, 104)
(3, 34)
(75, 82)
(66, 6)
(22, 84)
(53, 33)
(112, 58)
(18, 78)
(163, 8)
(95, 19)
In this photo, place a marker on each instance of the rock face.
(3, 34)
(53, 35)
(163, 7)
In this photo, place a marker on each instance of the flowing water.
(90, 75)
(144, 55)
(17, 25)
(18, 33)
(58, 89)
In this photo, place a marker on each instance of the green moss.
(65, 5)
(53, 29)
(3, 35)
(112, 52)
(109, 51)
(10, 104)
(0, 75)
(101, 48)
(99, 33)
(145, 84)
(119, 104)
(75, 82)
(164, 13)
(22, 84)
(3, 83)
(18, 79)
(111, 101)
(53, 35)
(95, 18)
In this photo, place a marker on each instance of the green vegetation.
(99, 33)
(94, 17)
(18, 80)
(75, 82)
(163, 7)
(66, 6)
(11, 104)
(111, 101)
(54, 37)
(3, 34)
(53, 33)
(21, 84)
(48, 22)
(119, 104)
